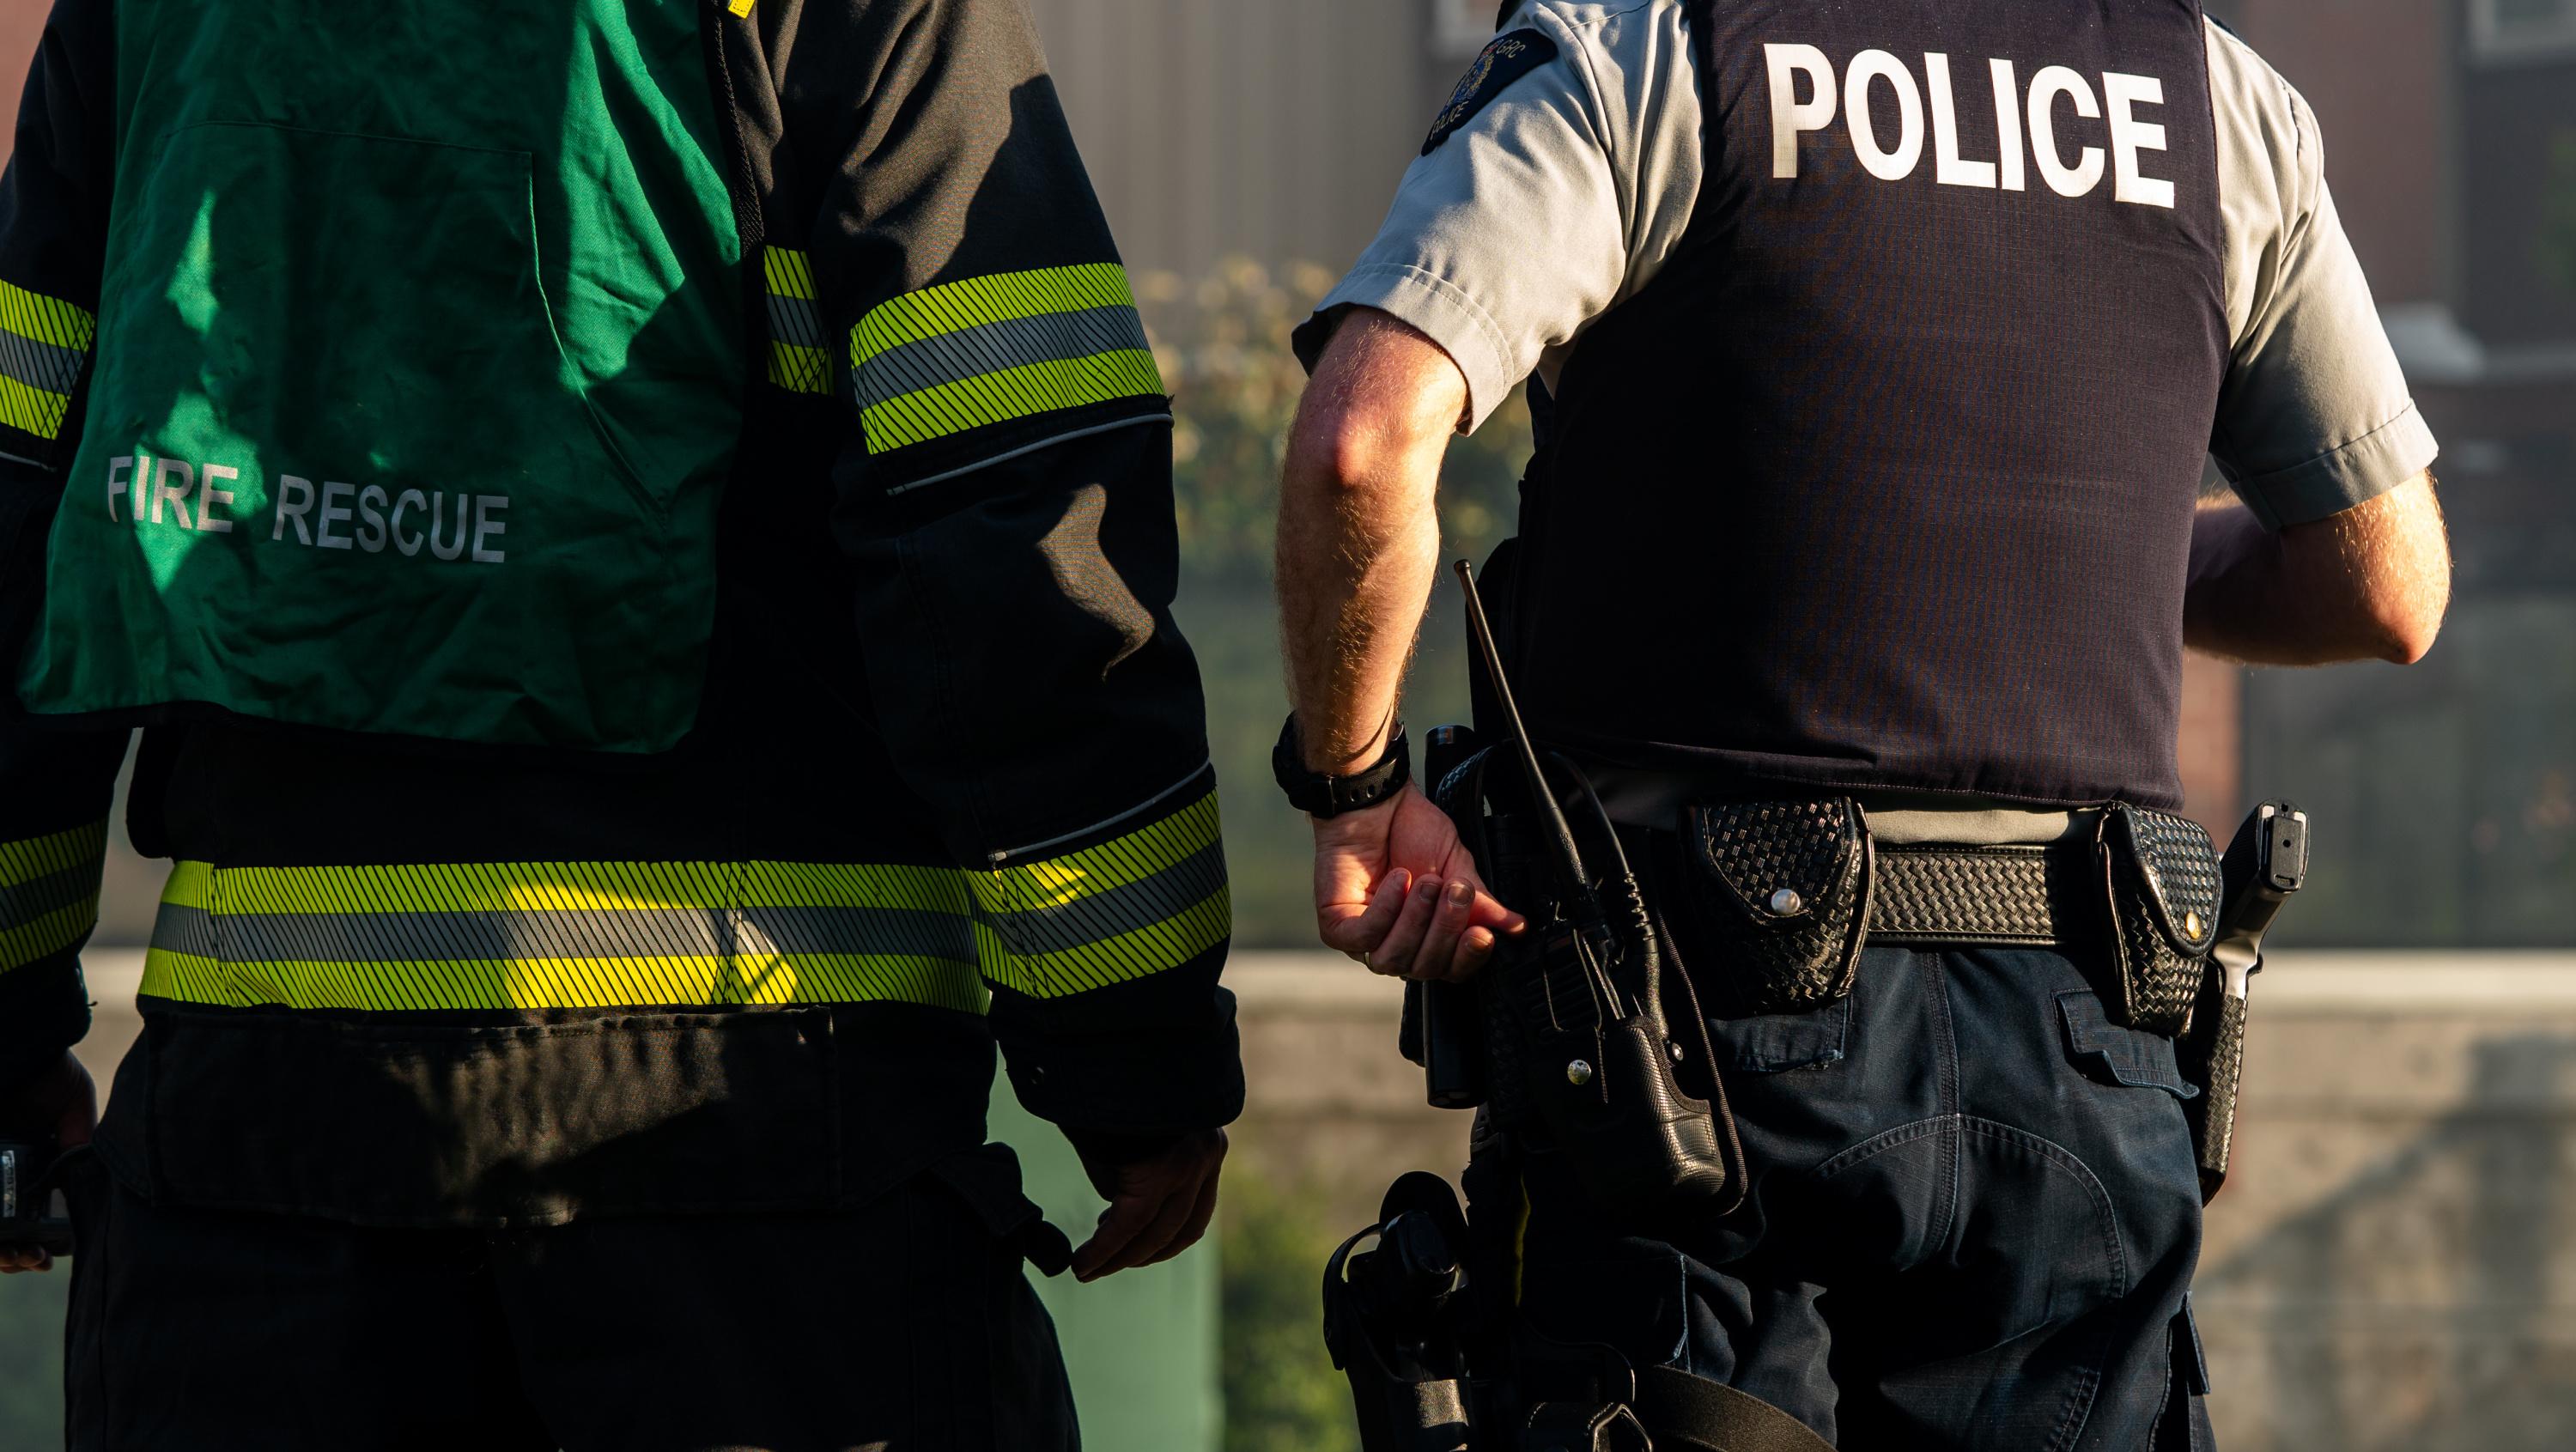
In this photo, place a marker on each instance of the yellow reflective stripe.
(34, 857)
(46, 320)
(1131, 857)
(380, 938)
(800, 370)
(191, 884)
(544, 886)
(788, 272)
(798, 361)
(552, 905)
(1128, 956)
(26, 934)
(852, 884)
(525, 983)
(48, 935)
(1116, 878)
(32, 409)
(996, 297)
(1032, 388)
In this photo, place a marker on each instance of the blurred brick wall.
(2213, 743)
(2378, 75)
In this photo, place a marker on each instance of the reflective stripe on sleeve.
(1138, 904)
(985, 350)
(43, 343)
(798, 359)
(49, 893)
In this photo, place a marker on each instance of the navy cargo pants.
(1972, 1222)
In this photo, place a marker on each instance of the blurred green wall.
(1141, 1345)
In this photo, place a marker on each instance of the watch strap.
(1321, 795)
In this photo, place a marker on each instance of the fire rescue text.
(333, 515)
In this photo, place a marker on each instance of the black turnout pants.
(904, 1326)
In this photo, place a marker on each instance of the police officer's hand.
(1159, 1203)
(57, 1102)
(1396, 890)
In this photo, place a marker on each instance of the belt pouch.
(1778, 893)
(2161, 874)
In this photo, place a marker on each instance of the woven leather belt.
(2014, 896)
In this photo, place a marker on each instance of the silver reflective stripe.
(486, 936)
(39, 365)
(993, 347)
(795, 320)
(1029, 932)
(22, 903)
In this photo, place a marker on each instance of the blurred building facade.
(2445, 793)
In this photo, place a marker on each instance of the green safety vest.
(420, 365)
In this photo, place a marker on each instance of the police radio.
(32, 1212)
(1565, 1034)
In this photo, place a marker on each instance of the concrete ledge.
(2358, 980)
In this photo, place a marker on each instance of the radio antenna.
(1559, 831)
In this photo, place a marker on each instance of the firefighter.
(639, 541)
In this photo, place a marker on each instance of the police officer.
(640, 538)
(1874, 352)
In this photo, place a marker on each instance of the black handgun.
(2265, 863)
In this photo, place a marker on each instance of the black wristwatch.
(1318, 795)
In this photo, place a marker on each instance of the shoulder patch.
(1505, 60)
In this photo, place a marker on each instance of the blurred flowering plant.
(1222, 344)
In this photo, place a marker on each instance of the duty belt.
(2021, 895)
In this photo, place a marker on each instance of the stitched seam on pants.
(2088, 1383)
(2066, 1159)
(1945, 1058)
(1884, 1140)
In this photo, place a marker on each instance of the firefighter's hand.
(57, 1103)
(1159, 1204)
(1396, 890)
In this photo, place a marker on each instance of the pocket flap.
(1778, 864)
(2131, 1056)
(2177, 869)
(1771, 1043)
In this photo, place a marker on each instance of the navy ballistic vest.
(1887, 478)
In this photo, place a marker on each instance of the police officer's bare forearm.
(2367, 584)
(1358, 541)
